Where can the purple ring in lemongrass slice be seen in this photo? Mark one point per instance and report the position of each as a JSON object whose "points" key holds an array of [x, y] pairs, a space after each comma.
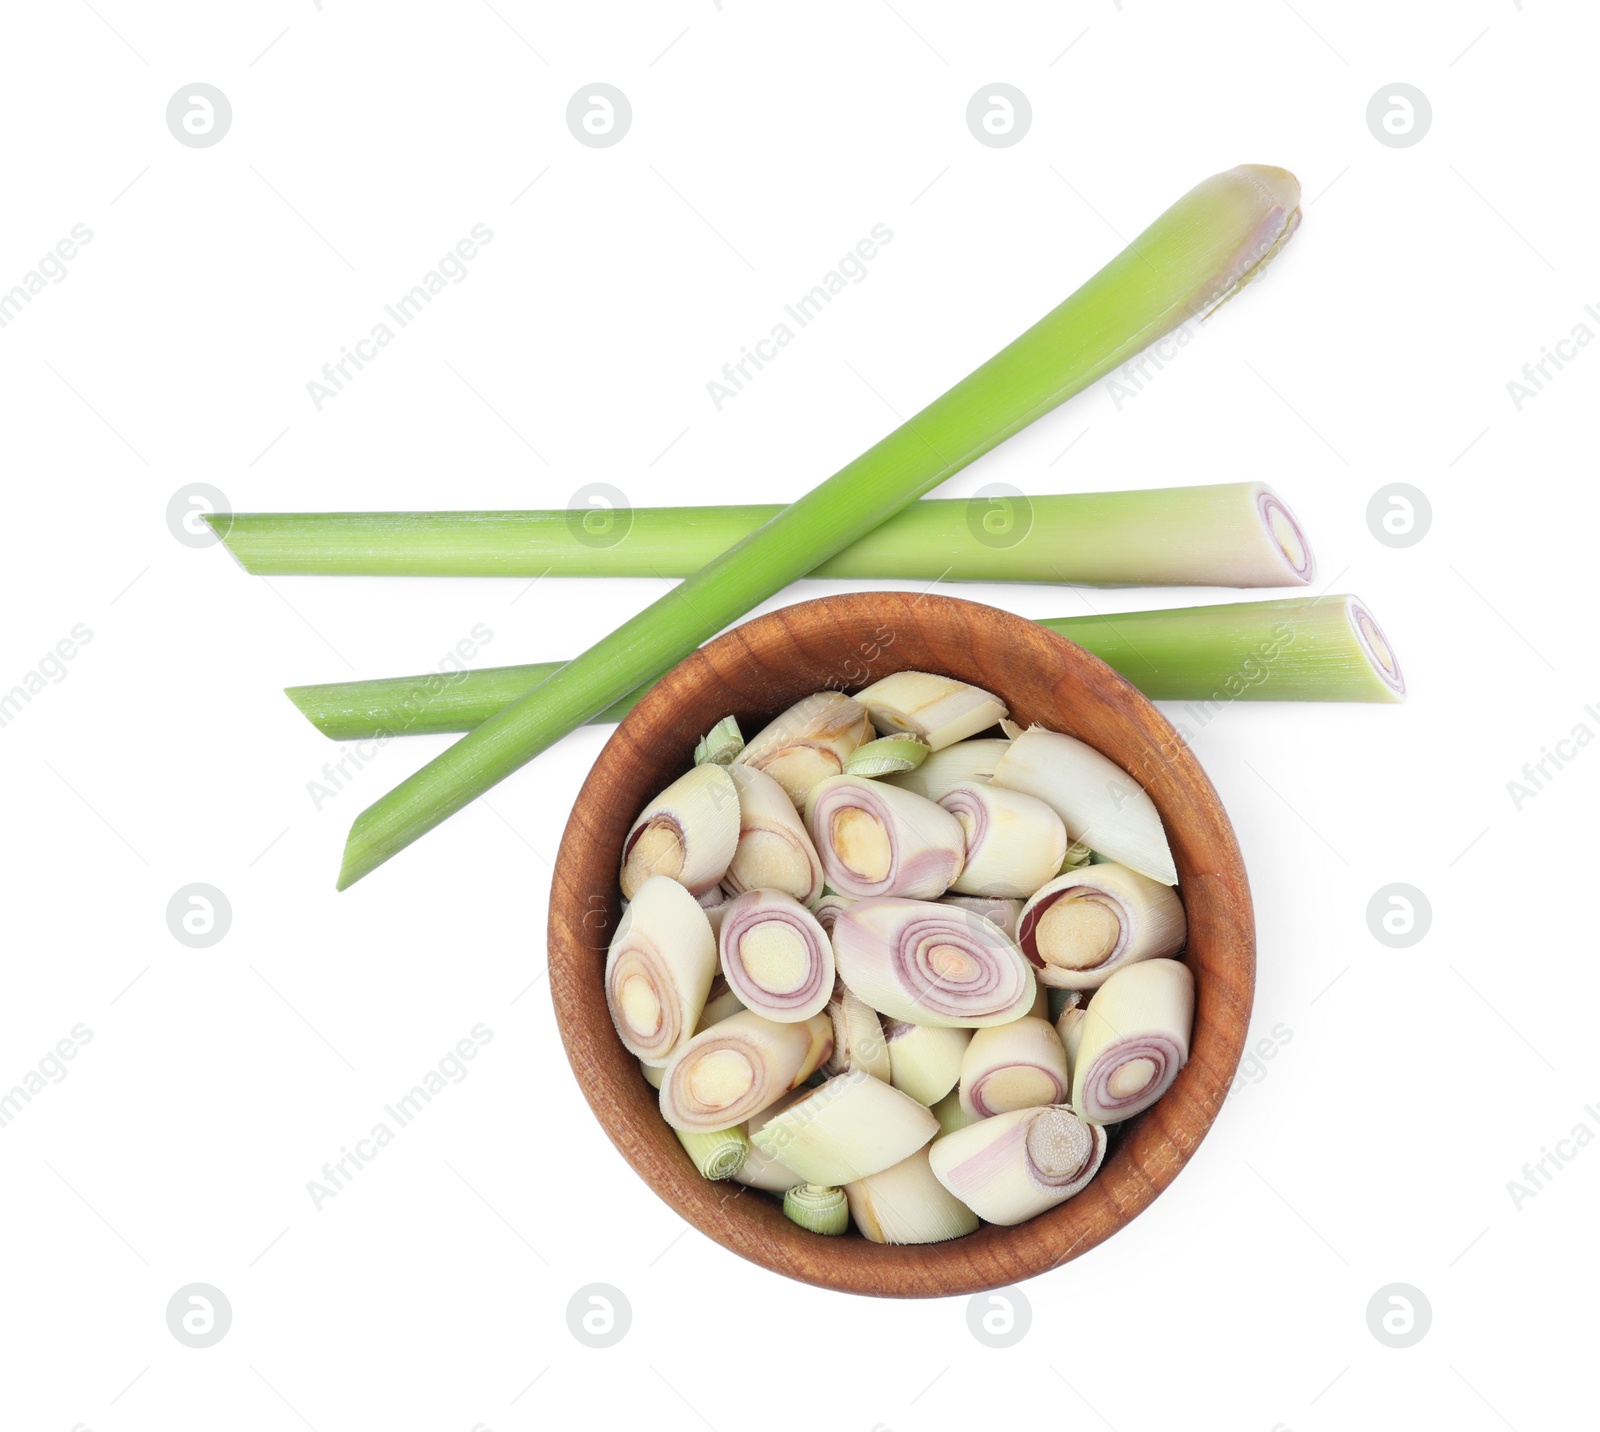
{"points": [[1020, 1065], [1081, 927], [1014, 842], [738, 1067], [808, 742], [775, 956], [1376, 645], [1286, 534], [1013, 1166], [689, 833], [931, 964], [659, 969], [1132, 1041], [875, 839], [774, 852]]}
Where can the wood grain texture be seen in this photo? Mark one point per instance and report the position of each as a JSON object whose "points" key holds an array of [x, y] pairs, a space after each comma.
{"points": [[846, 642]]}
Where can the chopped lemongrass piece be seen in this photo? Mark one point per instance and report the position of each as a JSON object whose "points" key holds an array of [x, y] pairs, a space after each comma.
{"points": [[1009, 1168], [858, 1037], [1133, 1040], [774, 852], [721, 1002], [905, 1203], [717, 1155], [1003, 913], [808, 742], [653, 1073], [951, 1115], [931, 964], [925, 1059], [1199, 252], [1235, 534], [939, 709], [775, 956], [1069, 1030], [817, 1209], [887, 756], [875, 839], [828, 907], [720, 744], [659, 969], [1014, 1066], [689, 832], [956, 765], [1078, 855], [1098, 801], [737, 1067], [1015, 842], [845, 1129], [759, 1170], [1082, 926]]}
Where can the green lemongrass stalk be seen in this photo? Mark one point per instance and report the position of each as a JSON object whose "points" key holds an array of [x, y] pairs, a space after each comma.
{"points": [[1236, 534], [715, 1155], [1296, 649], [1194, 257]]}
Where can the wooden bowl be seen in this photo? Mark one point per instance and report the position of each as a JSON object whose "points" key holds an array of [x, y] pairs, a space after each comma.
{"points": [[754, 672]]}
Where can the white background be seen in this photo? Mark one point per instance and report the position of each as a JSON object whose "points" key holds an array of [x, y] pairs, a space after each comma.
{"points": [[766, 140]]}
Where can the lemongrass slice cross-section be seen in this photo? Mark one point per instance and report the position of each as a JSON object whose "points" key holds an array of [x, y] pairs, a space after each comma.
{"points": [[659, 970], [858, 1038], [931, 964], [717, 1155], [925, 1059], [845, 1129], [944, 770], [1014, 842], [775, 956], [1004, 913], [1014, 1166], [1098, 801], [808, 742], [1013, 1066], [905, 1203], [939, 709], [1081, 927], [774, 851], [689, 833], [736, 1068], [876, 839], [1132, 1041], [817, 1209]]}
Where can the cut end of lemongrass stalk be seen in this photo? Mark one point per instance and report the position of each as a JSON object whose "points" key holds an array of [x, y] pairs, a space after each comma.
{"points": [[905, 1203], [1014, 1066], [1133, 1040], [808, 742], [1285, 533], [939, 709], [1011, 1167], [1081, 927], [774, 851], [887, 756], [1376, 647], [775, 956], [717, 1155], [931, 964], [876, 839], [843, 1130], [659, 969], [736, 1068], [1269, 200], [828, 907], [1078, 855], [720, 744], [688, 833], [817, 1209]]}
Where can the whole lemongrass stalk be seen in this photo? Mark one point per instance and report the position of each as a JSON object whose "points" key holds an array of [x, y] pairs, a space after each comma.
{"points": [[1298, 649], [1235, 534], [1194, 257]]}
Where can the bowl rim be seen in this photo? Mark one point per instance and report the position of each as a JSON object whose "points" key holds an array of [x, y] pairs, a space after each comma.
{"points": [[1147, 1152]]}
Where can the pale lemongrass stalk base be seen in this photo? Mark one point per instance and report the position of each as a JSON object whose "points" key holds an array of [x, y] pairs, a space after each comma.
{"points": [[906, 1204]]}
